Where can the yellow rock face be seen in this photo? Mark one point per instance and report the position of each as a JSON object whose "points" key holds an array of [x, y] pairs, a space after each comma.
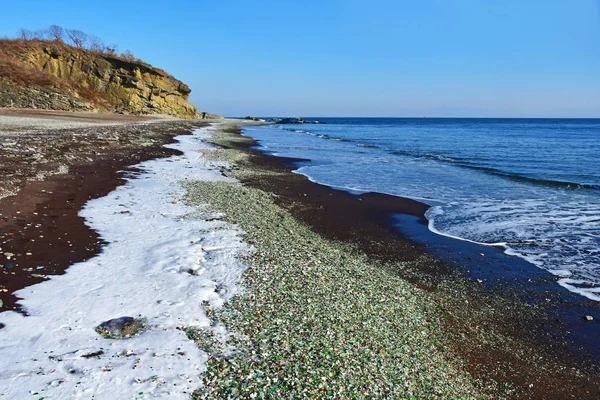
{"points": [[107, 82]]}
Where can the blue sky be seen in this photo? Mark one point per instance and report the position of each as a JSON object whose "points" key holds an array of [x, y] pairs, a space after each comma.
{"points": [[355, 58]]}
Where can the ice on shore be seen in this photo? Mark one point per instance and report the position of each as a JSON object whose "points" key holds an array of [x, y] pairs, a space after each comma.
{"points": [[161, 263]]}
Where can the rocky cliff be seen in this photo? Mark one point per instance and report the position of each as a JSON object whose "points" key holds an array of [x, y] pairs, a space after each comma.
{"points": [[53, 75]]}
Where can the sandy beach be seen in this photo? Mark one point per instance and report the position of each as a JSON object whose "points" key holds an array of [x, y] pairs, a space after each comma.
{"points": [[250, 280]]}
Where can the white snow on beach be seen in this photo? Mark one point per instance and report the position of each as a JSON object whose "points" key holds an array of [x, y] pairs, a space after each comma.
{"points": [[161, 262]]}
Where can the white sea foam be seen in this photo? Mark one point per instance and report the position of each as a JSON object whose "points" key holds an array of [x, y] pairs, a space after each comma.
{"points": [[438, 211], [584, 288], [161, 263], [563, 273]]}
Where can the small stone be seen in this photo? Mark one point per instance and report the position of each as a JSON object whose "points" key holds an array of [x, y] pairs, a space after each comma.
{"points": [[589, 318], [94, 354], [1, 304]]}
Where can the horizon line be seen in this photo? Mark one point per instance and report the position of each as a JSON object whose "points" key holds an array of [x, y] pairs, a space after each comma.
{"points": [[416, 117]]}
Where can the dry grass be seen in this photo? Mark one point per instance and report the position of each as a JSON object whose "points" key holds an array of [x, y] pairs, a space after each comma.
{"points": [[22, 74], [20, 46]]}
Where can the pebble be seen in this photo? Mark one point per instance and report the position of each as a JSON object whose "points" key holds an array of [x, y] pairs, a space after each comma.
{"points": [[589, 318]]}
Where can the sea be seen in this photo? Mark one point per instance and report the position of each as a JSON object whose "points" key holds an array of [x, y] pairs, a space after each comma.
{"points": [[531, 186]]}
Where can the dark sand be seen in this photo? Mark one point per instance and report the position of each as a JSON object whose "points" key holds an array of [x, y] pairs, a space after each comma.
{"points": [[509, 333]]}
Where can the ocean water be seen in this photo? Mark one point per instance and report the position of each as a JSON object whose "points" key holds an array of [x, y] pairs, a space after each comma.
{"points": [[531, 185]]}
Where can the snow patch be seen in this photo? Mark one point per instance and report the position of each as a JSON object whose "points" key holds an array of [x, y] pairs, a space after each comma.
{"points": [[161, 263]]}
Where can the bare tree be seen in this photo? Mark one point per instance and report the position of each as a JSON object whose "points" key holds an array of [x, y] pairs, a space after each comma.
{"points": [[57, 33], [96, 44], [40, 34], [77, 37], [128, 55], [25, 34]]}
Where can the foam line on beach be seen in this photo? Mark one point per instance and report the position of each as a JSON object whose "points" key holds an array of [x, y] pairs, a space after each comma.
{"points": [[161, 262], [430, 215], [584, 288]]}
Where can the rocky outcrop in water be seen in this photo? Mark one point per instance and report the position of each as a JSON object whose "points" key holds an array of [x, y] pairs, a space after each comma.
{"points": [[286, 120]]}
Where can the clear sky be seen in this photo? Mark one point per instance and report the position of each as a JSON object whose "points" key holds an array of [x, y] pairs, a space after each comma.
{"points": [[354, 58]]}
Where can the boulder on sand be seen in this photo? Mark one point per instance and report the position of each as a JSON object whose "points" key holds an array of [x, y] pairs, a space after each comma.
{"points": [[121, 328]]}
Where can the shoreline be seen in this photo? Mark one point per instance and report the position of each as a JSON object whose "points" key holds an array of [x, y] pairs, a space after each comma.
{"points": [[330, 285], [490, 265], [503, 315]]}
